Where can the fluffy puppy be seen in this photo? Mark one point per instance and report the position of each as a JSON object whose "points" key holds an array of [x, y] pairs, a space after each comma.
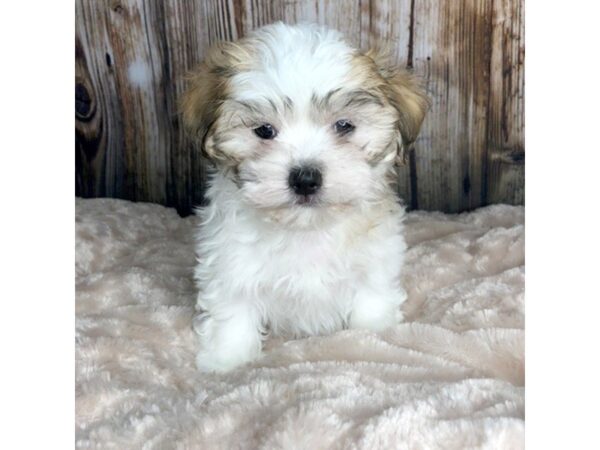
{"points": [[303, 231]]}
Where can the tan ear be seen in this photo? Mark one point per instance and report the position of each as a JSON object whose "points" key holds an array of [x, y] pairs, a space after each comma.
{"points": [[407, 95], [200, 103], [206, 92]]}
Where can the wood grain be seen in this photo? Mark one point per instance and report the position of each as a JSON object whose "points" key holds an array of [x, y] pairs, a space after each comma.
{"points": [[132, 57], [99, 131], [452, 51], [506, 118]]}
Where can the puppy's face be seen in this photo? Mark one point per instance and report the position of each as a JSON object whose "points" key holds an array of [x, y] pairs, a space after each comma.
{"points": [[305, 125]]}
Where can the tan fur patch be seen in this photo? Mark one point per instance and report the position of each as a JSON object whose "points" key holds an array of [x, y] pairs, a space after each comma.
{"points": [[208, 89], [406, 94]]}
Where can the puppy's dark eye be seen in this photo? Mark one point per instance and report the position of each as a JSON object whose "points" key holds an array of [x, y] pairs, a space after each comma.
{"points": [[265, 131], [343, 126]]}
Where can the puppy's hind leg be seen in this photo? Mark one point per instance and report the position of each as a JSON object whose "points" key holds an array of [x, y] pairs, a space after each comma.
{"points": [[229, 337]]}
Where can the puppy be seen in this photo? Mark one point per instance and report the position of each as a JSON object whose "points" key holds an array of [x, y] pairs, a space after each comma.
{"points": [[303, 231]]}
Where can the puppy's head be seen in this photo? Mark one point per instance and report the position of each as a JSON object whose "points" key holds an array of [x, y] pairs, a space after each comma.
{"points": [[303, 123]]}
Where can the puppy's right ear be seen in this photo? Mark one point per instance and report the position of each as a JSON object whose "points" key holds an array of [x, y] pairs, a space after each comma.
{"points": [[207, 90]]}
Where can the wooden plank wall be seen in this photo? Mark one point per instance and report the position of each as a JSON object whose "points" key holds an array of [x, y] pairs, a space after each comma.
{"points": [[132, 56]]}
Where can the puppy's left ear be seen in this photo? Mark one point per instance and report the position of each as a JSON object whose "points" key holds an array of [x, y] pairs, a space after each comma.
{"points": [[407, 95]]}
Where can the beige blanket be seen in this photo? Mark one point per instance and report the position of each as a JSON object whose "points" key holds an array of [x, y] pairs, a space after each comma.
{"points": [[452, 376]]}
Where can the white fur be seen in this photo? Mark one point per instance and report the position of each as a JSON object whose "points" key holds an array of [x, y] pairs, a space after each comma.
{"points": [[268, 264]]}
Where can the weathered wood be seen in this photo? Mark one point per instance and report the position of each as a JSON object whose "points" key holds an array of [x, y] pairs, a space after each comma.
{"points": [[132, 57], [505, 181], [452, 50], [182, 33], [98, 131]]}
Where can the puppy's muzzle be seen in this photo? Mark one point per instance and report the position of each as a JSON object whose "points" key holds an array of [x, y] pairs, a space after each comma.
{"points": [[305, 180]]}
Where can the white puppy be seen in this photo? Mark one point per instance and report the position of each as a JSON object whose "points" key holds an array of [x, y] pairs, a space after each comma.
{"points": [[303, 232]]}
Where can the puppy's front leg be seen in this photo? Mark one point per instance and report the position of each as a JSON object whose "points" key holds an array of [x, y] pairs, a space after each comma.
{"points": [[229, 337], [377, 309]]}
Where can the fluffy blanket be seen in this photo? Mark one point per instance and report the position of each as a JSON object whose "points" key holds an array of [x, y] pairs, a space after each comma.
{"points": [[451, 376]]}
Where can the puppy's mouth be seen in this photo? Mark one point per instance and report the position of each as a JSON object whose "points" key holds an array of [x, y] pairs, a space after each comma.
{"points": [[307, 200]]}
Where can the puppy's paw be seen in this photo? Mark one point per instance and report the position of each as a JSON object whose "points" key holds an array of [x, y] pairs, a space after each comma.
{"points": [[226, 344], [214, 361], [375, 320], [377, 312], [201, 322]]}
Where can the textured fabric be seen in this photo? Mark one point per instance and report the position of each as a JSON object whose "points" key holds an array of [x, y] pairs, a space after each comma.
{"points": [[451, 376]]}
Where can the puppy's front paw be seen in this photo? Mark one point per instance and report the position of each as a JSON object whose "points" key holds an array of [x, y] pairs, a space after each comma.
{"points": [[377, 312], [214, 361], [226, 344]]}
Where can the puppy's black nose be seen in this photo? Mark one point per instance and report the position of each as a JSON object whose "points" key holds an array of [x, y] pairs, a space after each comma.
{"points": [[305, 180]]}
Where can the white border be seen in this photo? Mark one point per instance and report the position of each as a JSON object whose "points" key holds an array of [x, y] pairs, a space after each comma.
{"points": [[562, 214], [37, 225], [562, 224]]}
